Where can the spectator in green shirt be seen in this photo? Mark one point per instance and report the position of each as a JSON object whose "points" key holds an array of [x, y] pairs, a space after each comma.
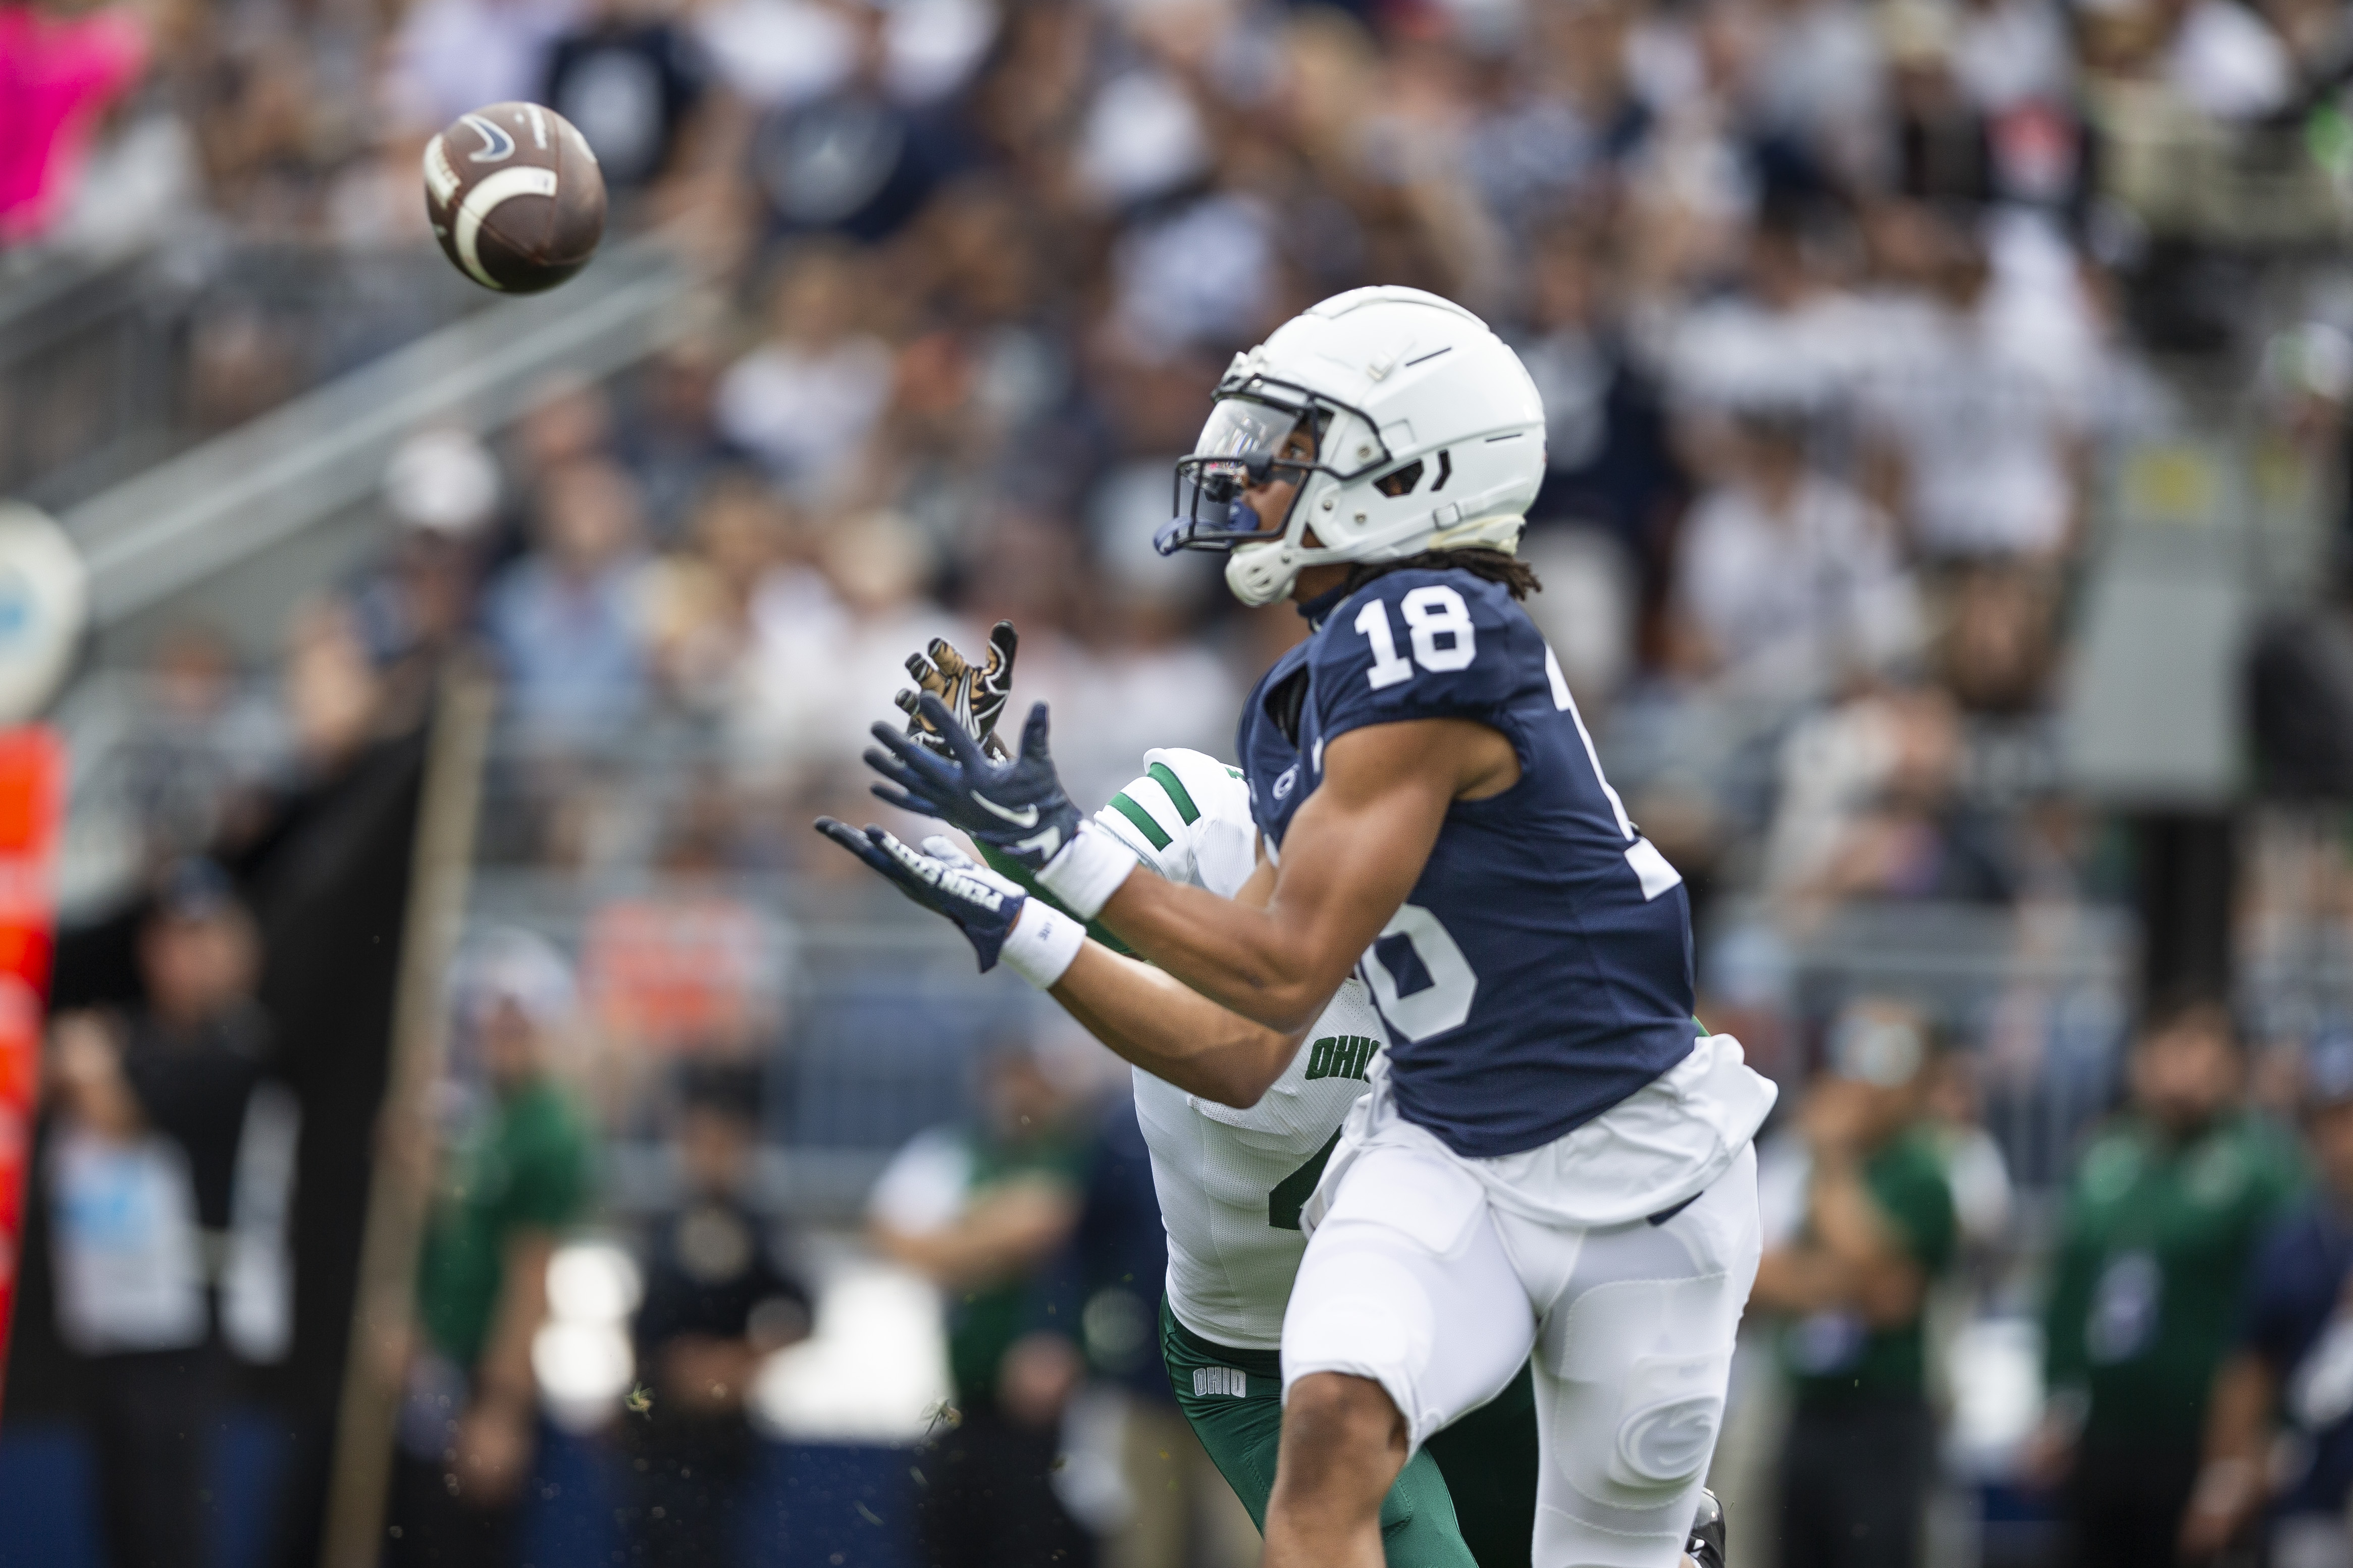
{"points": [[981, 1210], [509, 1183], [1878, 1227], [2162, 1218]]}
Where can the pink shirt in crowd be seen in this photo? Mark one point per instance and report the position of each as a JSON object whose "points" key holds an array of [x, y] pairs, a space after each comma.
{"points": [[56, 76]]}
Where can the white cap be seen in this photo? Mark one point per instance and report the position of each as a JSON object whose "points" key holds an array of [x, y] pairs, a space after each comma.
{"points": [[443, 481]]}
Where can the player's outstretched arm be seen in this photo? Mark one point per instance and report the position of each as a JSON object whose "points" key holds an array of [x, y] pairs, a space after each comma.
{"points": [[1156, 1022], [1353, 853], [1151, 1020]]}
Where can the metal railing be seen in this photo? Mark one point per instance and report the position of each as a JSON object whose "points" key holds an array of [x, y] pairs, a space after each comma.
{"points": [[109, 365], [301, 464]]}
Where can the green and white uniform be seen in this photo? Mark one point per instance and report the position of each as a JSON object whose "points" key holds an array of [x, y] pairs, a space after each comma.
{"points": [[1230, 1185], [1231, 1182]]}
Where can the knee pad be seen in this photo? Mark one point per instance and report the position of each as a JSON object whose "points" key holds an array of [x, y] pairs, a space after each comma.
{"points": [[1656, 1356], [1668, 1416]]}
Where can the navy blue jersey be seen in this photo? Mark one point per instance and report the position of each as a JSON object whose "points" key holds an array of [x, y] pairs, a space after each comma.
{"points": [[2296, 1318], [1540, 971]]}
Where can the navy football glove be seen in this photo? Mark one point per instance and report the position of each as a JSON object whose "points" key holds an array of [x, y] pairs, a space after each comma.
{"points": [[1018, 807], [975, 694], [944, 879]]}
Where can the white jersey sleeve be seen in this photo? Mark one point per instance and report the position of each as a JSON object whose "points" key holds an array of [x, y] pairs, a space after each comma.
{"points": [[1231, 1182], [1188, 818]]}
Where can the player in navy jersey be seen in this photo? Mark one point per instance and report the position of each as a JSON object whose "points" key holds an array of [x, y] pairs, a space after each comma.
{"points": [[1547, 880], [1552, 1157]]}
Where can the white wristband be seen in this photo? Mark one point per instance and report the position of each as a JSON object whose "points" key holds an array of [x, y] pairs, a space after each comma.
{"points": [[1043, 943], [1088, 870]]}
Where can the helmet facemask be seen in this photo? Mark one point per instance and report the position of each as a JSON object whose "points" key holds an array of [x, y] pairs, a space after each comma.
{"points": [[1242, 447]]}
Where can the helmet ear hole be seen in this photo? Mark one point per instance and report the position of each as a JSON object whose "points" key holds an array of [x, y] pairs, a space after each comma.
{"points": [[1445, 470], [1401, 481]]}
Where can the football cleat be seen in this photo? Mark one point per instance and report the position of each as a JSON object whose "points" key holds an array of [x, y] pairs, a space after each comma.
{"points": [[1706, 1547]]}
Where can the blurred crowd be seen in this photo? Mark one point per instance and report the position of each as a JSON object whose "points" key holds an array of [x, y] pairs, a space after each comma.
{"points": [[1840, 311]]}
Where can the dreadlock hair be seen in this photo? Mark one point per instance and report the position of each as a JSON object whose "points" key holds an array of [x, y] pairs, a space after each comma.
{"points": [[1478, 560]]}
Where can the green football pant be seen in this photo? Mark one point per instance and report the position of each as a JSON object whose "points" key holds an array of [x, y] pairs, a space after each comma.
{"points": [[1487, 1462]]}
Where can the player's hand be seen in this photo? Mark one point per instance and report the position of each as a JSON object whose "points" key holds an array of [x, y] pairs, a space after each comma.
{"points": [[975, 694], [1017, 807], [943, 879]]}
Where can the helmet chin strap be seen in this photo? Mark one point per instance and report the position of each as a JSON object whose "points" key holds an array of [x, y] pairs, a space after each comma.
{"points": [[1258, 575]]}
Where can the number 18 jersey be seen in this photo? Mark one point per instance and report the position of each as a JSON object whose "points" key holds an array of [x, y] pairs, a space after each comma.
{"points": [[1540, 971]]}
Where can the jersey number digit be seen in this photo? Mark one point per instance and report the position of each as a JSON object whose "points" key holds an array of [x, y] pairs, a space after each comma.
{"points": [[1439, 610], [1387, 670], [1417, 972], [1431, 613], [1290, 1195]]}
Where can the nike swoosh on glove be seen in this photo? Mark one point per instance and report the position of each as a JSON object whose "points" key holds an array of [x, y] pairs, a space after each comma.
{"points": [[1017, 807], [975, 694], [942, 878]]}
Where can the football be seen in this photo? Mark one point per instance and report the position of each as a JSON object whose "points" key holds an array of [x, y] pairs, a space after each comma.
{"points": [[515, 196]]}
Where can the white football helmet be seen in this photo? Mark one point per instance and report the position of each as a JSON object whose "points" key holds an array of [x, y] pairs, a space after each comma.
{"points": [[1429, 436]]}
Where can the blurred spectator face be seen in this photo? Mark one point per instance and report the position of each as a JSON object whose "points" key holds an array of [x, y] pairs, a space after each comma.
{"points": [[1020, 1098], [876, 562], [1778, 274], [1929, 744], [679, 389], [1906, 242], [198, 955], [513, 1042], [569, 420], [515, 998], [1962, 269], [985, 253], [2327, 1089], [735, 530], [1873, 1083], [1566, 286], [1999, 643], [1952, 1096], [435, 574], [816, 303], [2329, 1130], [1769, 455], [589, 517], [2185, 1068], [194, 672], [714, 1150]]}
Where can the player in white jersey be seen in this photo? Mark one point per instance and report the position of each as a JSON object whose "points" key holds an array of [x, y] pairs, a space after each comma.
{"points": [[1231, 1182]]}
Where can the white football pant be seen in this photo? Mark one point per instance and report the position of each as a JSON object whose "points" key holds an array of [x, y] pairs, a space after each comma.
{"points": [[1415, 1279]]}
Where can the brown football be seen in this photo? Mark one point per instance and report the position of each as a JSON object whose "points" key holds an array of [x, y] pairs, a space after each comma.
{"points": [[515, 196]]}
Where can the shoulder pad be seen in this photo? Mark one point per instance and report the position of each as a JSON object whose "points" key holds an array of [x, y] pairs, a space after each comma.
{"points": [[1187, 816]]}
